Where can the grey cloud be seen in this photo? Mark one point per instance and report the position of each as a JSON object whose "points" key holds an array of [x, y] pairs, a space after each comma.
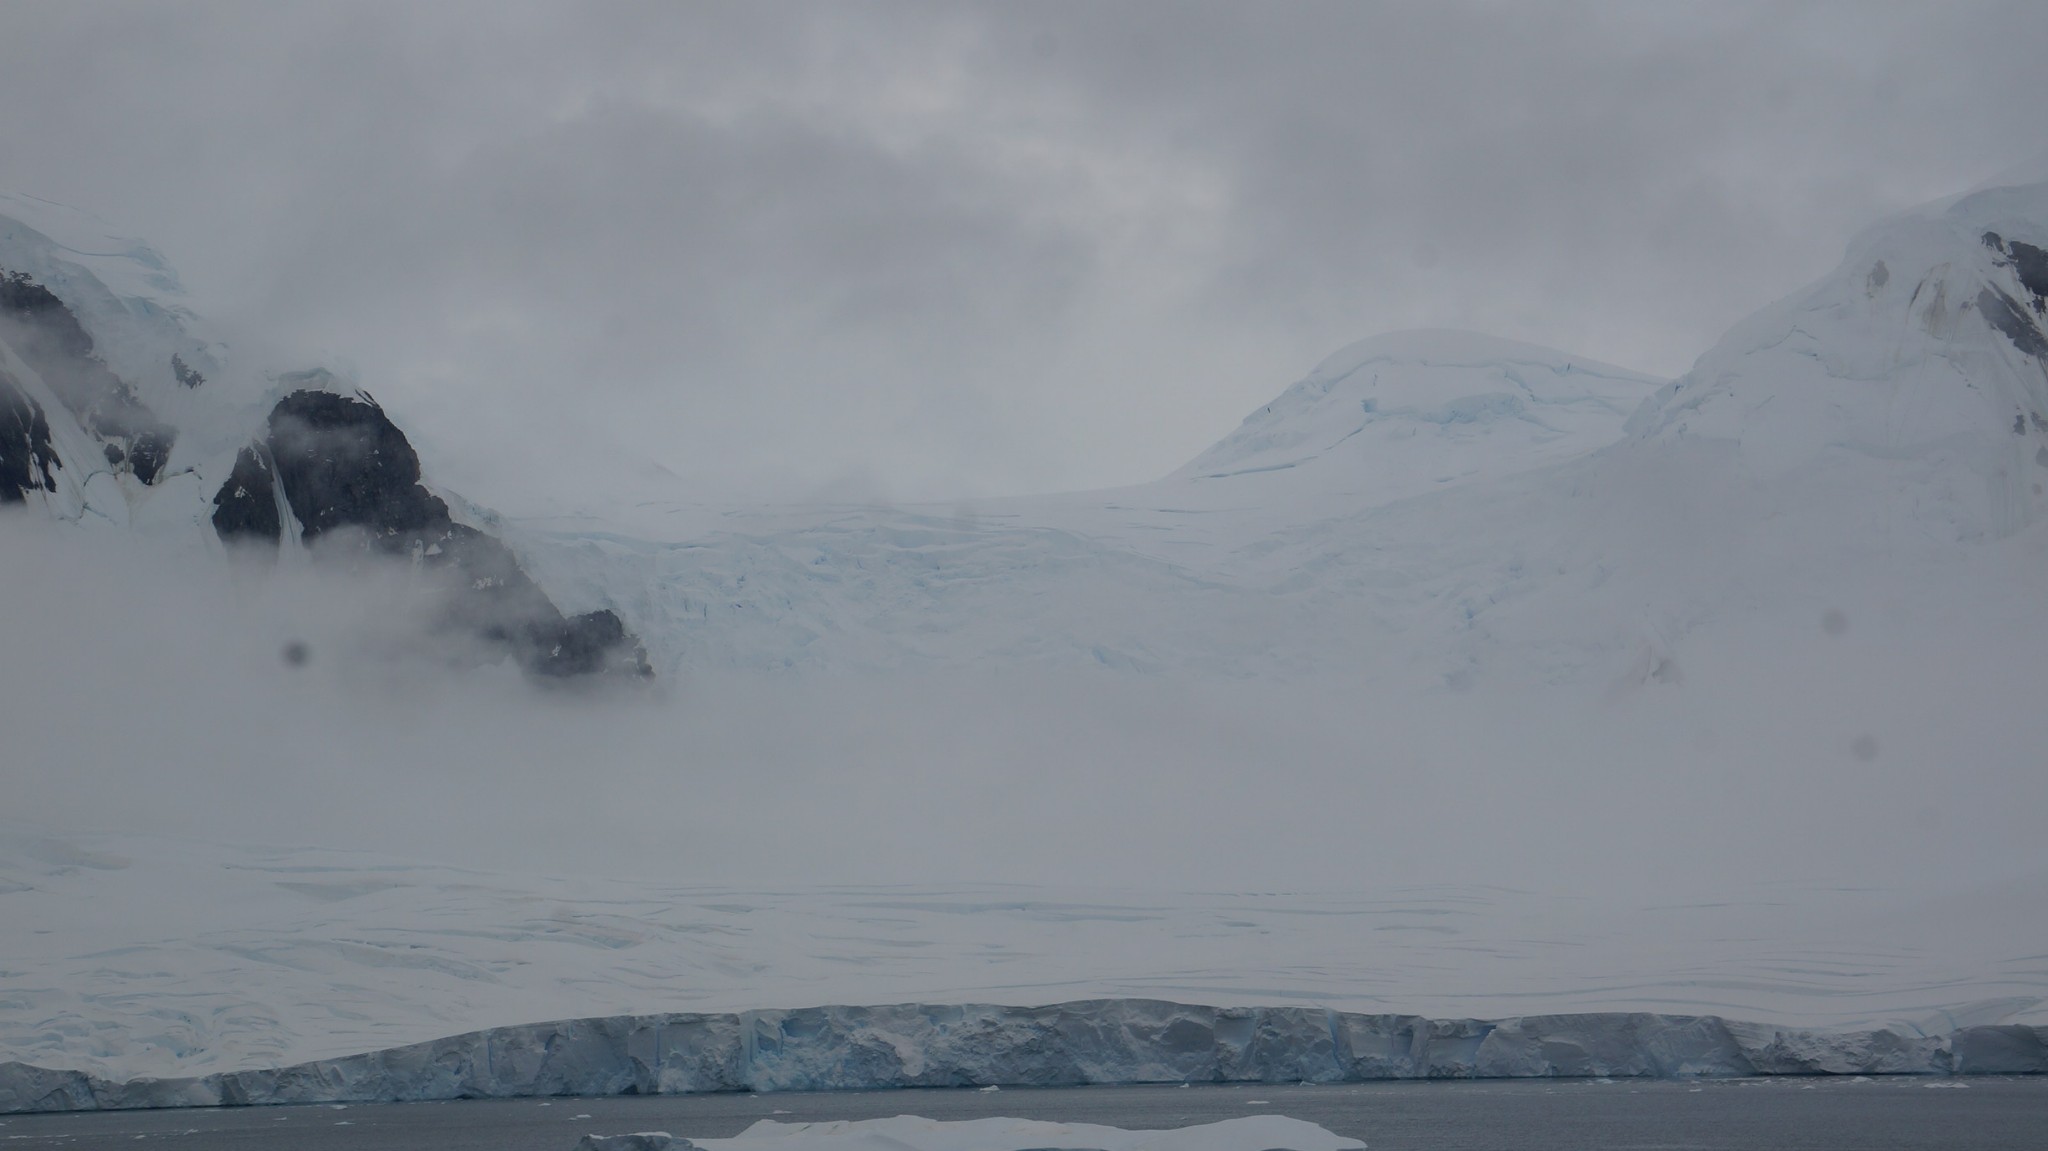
{"points": [[912, 249], [1635, 178]]}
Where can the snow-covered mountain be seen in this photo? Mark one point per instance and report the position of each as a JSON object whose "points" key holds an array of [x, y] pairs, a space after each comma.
{"points": [[114, 412], [1925, 353], [1401, 414], [1448, 502], [1450, 608], [1236, 564]]}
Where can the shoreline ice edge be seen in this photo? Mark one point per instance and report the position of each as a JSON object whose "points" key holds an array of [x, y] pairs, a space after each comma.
{"points": [[1087, 1042]]}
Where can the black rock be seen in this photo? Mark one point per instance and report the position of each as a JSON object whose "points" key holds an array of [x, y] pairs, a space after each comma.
{"points": [[49, 338], [594, 643], [2029, 262], [2032, 265], [352, 481], [245, 508], [35, 306], [28, 462], [343, 463], [2006, 314]]}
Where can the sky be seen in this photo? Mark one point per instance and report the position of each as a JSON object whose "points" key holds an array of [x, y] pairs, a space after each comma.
{"points": [[906, 251]]}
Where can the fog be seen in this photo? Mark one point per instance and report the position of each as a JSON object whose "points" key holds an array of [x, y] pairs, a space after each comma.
{"points": [[150, 691], [832, 296], [904, 250]]}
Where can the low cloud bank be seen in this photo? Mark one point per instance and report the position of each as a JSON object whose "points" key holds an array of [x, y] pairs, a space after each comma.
{"points": [[155, 685]]}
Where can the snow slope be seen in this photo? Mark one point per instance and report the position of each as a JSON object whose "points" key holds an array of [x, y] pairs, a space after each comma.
{"points": [[1406, 499], [1452, 504], [1782, 621], [131, 956], [1924, 353], [1198, 572], [1400, 414], [132, 304]]}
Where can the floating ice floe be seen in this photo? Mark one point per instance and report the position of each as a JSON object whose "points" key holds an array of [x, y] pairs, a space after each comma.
{"points": [[913, 1133]]}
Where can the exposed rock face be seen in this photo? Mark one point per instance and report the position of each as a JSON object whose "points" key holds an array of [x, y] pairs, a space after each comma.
{"points": [[351, 480], [2030, 262], [330, 468], [1094, 1041], [28, 462], [245, 508], [49, 338], [2009, 315], [343, 463]]}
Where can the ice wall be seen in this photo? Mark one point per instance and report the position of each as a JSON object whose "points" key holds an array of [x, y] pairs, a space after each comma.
{"points": [[1088, 1042]]}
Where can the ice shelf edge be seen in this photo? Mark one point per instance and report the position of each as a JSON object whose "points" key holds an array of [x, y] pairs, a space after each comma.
{"points": [[1105, 1041]]}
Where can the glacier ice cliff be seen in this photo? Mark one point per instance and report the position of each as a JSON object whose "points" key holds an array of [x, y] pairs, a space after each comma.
{"points": [[1109, 1041]]}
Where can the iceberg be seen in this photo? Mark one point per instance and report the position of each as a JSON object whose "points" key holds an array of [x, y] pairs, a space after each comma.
{"points": [[914, 1133]]}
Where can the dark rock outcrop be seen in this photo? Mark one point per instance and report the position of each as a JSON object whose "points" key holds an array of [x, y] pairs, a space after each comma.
{"points": [[344, 464], [28, 462], [2028, 261], [2005, 313], [49, 338], [245, 508], [352, 482], [2009, 315]]}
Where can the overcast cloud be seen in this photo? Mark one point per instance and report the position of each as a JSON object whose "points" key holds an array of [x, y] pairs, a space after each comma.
{"points": [[922, 251]]}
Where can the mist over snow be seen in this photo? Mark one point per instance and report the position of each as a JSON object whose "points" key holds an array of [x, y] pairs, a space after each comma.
{"points": [[582, 511], [1451, 608], [159, 698], [241, 861]]}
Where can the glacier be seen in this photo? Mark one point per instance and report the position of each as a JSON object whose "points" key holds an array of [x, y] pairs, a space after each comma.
{"points": [[1510, 614], [1456, 505], [1433, 506], [1122, 1041]]}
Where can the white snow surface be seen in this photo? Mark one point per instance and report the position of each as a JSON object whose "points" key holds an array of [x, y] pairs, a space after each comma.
{"points": [[136, 956], [1785, 618], [1246, 562], [1888, 372], [1437, 506], [1404, 413], [1445, 504]]}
